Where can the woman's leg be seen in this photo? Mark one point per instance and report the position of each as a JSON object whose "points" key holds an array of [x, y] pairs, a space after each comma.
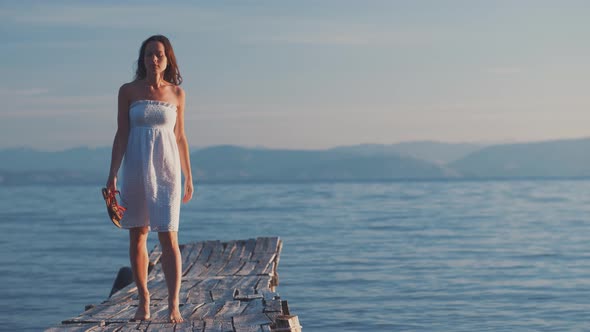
{"points": [[139, 265], [172, 266]]}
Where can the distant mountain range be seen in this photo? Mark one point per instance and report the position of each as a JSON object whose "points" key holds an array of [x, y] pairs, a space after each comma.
{"points": [[434, 152], [562, 158], [237, 163], [402, 161]]}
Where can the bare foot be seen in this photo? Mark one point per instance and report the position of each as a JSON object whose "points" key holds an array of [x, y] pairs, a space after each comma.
{"points": [[143, 311], [175, 316]]}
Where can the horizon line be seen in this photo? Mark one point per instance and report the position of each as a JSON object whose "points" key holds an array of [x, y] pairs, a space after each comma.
{"points": [[480, 143]]}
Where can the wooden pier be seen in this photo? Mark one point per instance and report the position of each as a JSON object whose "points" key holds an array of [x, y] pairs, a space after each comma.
{"points": [[226, 286]]}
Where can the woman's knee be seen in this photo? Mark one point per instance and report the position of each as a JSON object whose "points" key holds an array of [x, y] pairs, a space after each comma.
{"points": [[138, 234], [168, 241]]}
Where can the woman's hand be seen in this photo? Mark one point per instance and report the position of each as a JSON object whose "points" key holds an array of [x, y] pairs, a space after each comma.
{"points": [[112, 183], [188, 191]]}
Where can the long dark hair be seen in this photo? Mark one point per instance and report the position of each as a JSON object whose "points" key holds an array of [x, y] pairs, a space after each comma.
{"points": [[171, 73]]}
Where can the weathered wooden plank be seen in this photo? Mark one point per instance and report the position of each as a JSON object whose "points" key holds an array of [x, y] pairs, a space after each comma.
{"points": [[191, 288], [213, 248], [196, 296], [155, 254], [188, 260], [200, 265], [186, 326], [246, 294], [215, 325], [88, 313], [255, 319], [143, 325], [238, 248], [126, 294], [219, 261], [248, 328], [264, 263], [201, 292], [93, 327], [272, 305], [247, 286], [288, 323], [239, 258], [273, 315], [185, 251], [156, 326], [263, 284], [254, 307], [247, 268], [248, 249], [117, 327], [266, 244], [184, 291], [246, 298], [73, 328], [198, 325], [224, 255], [259, 244], [99, 313], [210, 265], [187, 309], [130, 327], [207, 310], [230, 309], [222, 294], [158, 289], [125, 314], [226, 286], [268, 294], [159, 313], [278, 257]]}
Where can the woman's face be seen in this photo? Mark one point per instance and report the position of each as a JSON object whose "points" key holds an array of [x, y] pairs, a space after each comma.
{"points": [[155, 57]]}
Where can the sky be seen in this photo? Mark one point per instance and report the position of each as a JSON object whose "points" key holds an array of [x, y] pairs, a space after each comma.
{"points": [[305, 74]]}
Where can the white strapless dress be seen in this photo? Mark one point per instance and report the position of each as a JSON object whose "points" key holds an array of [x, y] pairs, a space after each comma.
{"points": [[151, 176]]}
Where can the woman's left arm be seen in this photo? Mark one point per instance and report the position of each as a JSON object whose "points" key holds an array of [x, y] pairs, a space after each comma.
{"points": [[185, 160]]}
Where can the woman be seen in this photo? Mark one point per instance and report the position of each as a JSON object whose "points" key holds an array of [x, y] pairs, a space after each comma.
{"points": [[150, 135]]}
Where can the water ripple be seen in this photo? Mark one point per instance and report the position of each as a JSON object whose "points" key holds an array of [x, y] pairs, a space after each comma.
{"points": [[399, 256]]}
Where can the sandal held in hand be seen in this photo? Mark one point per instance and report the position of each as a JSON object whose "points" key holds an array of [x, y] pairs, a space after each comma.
{"points": [[113, 208]]}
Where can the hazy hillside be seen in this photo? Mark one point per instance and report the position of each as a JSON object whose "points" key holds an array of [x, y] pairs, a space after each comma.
{"points": [[563, 158], [222, 163], [230, 162], [435, 152], [77, 159]]}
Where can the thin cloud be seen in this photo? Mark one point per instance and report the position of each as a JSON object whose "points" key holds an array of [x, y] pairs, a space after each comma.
{"points": [[73, 100], [503, 70], [248, 29], [50, 44], [49, 113], [337, 33], [39, 104], [118, 16], [235, 111], [23, 92]]}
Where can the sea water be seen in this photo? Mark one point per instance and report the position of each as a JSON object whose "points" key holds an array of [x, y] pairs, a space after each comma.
{"points": [[366, 256]]}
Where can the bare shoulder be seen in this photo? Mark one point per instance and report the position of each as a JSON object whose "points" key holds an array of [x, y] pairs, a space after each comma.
{"points": [[126, 89], [180, 94], [126, 93]]}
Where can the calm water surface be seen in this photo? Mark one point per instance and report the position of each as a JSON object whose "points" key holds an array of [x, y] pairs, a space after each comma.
{"points": [[400, 256]]}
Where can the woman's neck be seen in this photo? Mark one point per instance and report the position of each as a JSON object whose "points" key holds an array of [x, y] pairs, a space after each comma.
{"points": [[155, 80]]}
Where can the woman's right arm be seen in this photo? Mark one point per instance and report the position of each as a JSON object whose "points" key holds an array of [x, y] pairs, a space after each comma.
{"points": [[121, 137]]}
